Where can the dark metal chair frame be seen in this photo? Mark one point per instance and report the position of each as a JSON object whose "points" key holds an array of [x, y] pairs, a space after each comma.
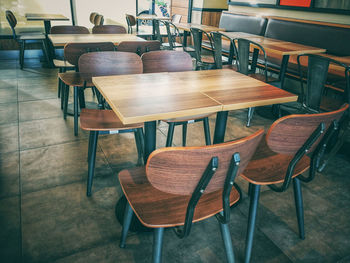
{"points": [[197, 35], [217, 45]]}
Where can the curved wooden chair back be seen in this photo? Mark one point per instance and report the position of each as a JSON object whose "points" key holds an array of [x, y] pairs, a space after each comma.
{"points": [[176, 18], [288, 134], [177, 170], [316, 80], [139, 47], [69, 30], [243, 55], [131, 21], [108, 29], [73, 51], [92, 17], [110, 63], [98, 21], [166, 61], [11, 19]]}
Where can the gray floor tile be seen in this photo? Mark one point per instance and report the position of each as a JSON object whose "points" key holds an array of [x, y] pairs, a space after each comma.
{"points": [[37, 92], [10, 237], [8, 113], [8, 74], [41, 109], [8, 138], [60, 221], [8, 95], [46, 132], [8, 84], [59, 165], [9, 174]]}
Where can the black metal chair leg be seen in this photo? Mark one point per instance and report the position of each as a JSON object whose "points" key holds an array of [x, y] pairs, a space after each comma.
{"points": [[226, 237], [157, 244], [81, 98], [184, 134], [59, 86], [92, 161], [126, 224], [138, 146], [250, 116], [89, 147], [299, 206], [250, 186], [169, 139], [254, 200], [206, 131], [65, 100], [21, 53], [46, 52], [76, 90]]}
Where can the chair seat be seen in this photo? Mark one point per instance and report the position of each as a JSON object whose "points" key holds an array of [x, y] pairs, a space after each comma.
{"points": [[103, 120], [155, 208], [267, 167], [31, 36], [190, 118], [62, 64], [76, 79], [207, 59]]}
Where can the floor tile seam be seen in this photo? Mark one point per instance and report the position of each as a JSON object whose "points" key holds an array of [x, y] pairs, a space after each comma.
{"points": [[47, 118], [55, 144], [10, 196], [37, 99], [166, 136]]}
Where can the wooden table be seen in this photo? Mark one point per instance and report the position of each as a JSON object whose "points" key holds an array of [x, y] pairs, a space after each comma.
{"points": [[151, 17], [283, 48], [151, 97], [47, 18], [59, 40]]}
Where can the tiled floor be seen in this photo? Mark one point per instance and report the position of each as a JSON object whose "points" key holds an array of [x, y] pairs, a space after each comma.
{"points": [[45, 215]]}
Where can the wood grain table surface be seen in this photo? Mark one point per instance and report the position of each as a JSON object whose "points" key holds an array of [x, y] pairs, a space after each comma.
{"points": [[62, 39], [187, 27], [156, 96], [35, 16], [276, 46]]}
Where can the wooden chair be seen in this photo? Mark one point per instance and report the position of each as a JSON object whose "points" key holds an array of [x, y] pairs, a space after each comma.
{"points": [[62, 64], [139, 47], [159, 34], [72, 53], [202, 61], [92, 17], [108, 29], [294, 144], [174, 61], [183, 185], [106, 121], [98, 20], [23, 38], [313, 99], [247, 63]]}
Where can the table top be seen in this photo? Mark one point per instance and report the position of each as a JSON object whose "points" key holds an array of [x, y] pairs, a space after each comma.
{"points": [[187, 27], [47, 17], [62, 39], [152, 17], [157, 96], [276, 46]]}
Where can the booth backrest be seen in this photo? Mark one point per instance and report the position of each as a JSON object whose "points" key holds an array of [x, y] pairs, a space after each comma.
{"points": [[234, 22], [334, 39]]}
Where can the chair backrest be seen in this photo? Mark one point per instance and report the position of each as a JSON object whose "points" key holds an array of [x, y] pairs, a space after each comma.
{"points": [[139, 47], [12, 22], [69, 30], [131, 21], [173, 33], [166, 61], [217, 47], [108, 63], [197, 35], [176, 18], [316, 79], [98, 21], [108, 29], [288, 134], [177, 170], [92, 17], [156, 25], [244, 58], [73, 51]]}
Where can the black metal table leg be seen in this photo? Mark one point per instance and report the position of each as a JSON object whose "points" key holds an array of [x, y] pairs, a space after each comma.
{"points": [[184, 41], [220, 127], [51, 50]]}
